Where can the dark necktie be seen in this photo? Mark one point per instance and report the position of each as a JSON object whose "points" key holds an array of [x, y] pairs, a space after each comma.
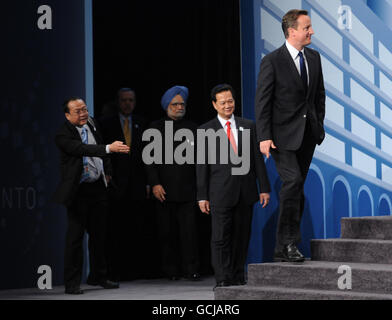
{"points": [[304, 74]]}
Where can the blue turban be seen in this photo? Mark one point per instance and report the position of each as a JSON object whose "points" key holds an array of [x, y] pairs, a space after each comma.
{"points": [[171, 93]]}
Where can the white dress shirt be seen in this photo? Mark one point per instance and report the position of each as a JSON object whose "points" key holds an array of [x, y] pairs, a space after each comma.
{"points": [[233, 126], [122, 120], [294, 55]]}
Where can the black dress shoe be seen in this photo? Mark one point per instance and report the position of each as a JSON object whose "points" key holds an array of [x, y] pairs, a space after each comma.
{"points": [[239, 282], [74, 290], [223, 283], [194, 277], [106, 284], [290, 253]]}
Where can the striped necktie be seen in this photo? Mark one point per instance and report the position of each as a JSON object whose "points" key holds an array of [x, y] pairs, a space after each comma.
{"points": [[85, 173]]}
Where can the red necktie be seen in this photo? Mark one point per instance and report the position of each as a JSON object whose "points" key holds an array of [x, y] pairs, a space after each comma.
{"points": [[231, 136]]}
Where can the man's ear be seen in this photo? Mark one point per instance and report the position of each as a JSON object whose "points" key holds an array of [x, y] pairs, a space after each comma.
{"points": [[214, 105], [67, 115], [290, 31]]}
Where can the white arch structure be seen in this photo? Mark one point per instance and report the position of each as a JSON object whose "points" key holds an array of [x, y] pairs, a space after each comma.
{"points": [[385, 197], [343, 180], [317, 170]]}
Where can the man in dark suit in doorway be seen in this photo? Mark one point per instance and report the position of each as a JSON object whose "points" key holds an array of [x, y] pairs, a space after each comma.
{"points": [[174, 187], [85, 174], [129, 220], [290, 109], [230, 197]]}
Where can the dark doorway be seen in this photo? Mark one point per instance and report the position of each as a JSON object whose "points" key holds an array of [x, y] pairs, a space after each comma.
{"points": [[340, 208], [152, 45]]}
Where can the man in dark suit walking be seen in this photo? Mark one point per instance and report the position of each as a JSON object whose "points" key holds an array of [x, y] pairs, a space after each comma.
{"points": [[129, 219], [290, 109], [174, 187], [230, 197], [85, 174]]}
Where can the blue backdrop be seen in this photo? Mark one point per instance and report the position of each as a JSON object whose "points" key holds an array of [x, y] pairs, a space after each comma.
{"points": [[351, 174], [39, 68]]}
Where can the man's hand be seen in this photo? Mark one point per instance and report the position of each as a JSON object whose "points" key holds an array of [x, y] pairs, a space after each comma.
{"points": [[264, 199], [159, 192], [265, 147], [118, 146], [108, 178], [204, 206]]}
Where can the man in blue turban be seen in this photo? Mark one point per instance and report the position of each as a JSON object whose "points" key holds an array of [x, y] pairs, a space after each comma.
{"points": [[173, 92], [174, 188]]}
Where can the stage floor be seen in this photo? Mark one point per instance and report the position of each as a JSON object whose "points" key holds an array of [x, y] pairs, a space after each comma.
{"points": [[155, 289]]}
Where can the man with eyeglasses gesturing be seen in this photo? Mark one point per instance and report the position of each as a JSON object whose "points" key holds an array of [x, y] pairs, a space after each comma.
{"points": [[85, 174]]}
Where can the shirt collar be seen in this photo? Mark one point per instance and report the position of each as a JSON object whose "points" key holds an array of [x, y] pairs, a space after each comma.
{"points": [[293, 51], [122, 117], [81, 128], [223, 121]]}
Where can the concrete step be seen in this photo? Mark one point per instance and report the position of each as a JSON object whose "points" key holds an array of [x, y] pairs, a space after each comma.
{"points": [[321, 275], [352, 250], [278, 293], [367, 228]]}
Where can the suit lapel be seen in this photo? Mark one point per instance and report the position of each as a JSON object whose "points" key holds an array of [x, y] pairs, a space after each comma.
{"points": [[239, 125], [291, 65], [119, 131], [311, 69], [216, 125], [73, 130], [135, 127], [94, 132]]}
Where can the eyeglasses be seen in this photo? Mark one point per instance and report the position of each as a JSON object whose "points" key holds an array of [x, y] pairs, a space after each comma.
{"points": [[178, 104], [81, 110]]}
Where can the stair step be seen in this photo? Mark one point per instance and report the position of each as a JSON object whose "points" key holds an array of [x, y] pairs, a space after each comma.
{"points": [[365, 246], [278, 293], [321, 275], [367, 228], [352, 250]]}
